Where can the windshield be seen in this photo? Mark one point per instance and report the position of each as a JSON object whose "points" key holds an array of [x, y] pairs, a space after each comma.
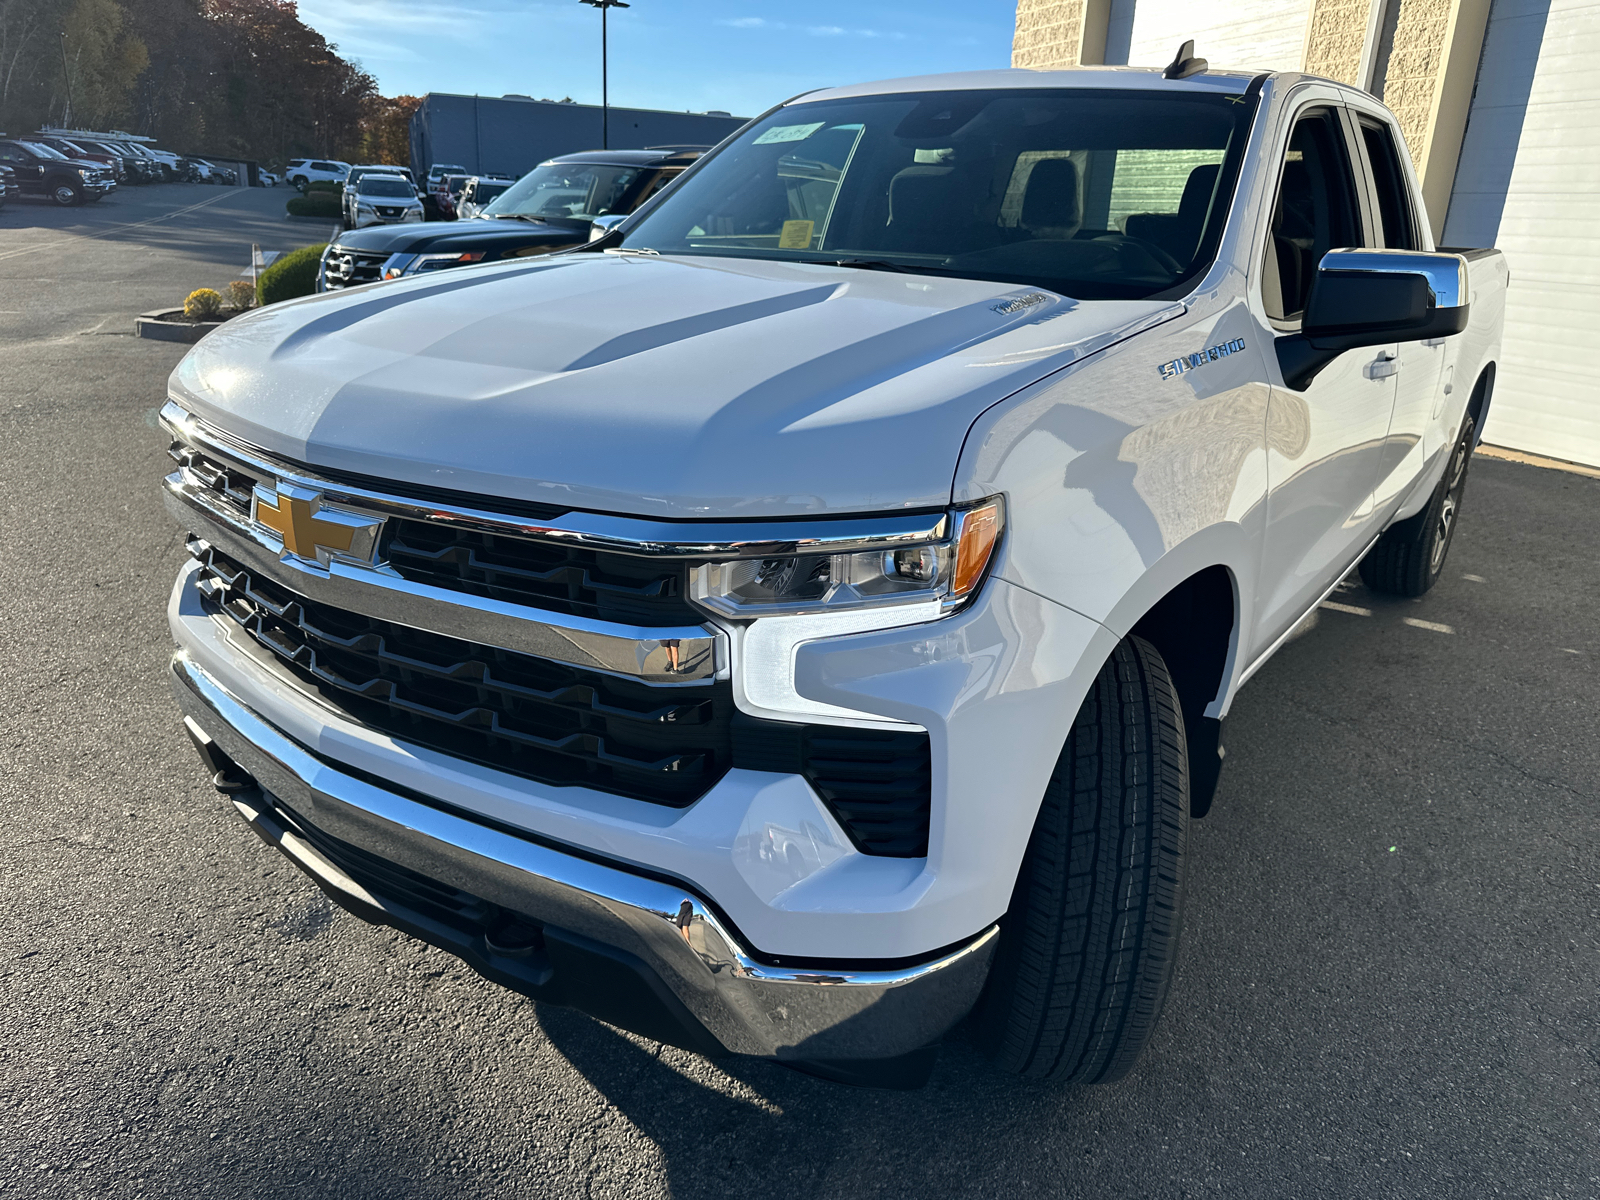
{"points": [[43, 151], [377, 185], [566, 191], [1097, 194]]}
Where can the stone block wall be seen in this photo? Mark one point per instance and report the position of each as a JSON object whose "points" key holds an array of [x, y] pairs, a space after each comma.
{"points": [[1335, 37], [1049, 33]]}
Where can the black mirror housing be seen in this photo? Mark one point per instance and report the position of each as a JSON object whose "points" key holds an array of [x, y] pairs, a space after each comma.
{"points": [[1372, 297]]}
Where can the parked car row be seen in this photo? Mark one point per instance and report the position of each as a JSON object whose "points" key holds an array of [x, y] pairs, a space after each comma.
{"points": [[553, 207], [119, 158], [46, 173]]}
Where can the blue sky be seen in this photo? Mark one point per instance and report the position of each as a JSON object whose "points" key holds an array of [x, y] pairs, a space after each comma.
{"points": [[672, 54]]}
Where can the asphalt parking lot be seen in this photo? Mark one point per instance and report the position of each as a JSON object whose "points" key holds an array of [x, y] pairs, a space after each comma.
{"points": [[1389, 984]]}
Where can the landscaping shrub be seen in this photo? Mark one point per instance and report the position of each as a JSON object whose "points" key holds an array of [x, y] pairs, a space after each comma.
{"points": [[325, 185], [295, 274], [315, 204], [202, 304], [241, 294]]}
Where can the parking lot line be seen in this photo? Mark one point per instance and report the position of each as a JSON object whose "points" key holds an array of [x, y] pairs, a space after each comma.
{"points": [[1431, 626], [107, 232]]}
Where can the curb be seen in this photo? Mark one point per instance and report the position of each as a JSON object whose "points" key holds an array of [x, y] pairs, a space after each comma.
{"points": [[1536, 460], [158, 326]]}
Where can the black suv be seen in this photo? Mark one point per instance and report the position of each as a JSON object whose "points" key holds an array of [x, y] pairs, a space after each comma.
{"points": [[51, 175], [550, 208]]}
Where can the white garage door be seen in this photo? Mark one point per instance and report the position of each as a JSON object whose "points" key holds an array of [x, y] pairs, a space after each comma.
{"points": [[1529, 182], [1252, 35]]}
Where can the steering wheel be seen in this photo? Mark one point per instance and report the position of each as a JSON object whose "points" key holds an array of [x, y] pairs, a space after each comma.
{"points": [[1159, 256]]}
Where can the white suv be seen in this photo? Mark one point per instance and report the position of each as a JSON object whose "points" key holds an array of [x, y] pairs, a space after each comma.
{"points": [[302, 171]]}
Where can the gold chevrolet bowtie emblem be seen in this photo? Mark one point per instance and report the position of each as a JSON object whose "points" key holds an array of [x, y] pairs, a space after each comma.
{"points": [[309, 530]]}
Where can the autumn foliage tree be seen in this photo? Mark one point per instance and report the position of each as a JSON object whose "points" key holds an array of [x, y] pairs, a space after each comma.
{"points": [[241, 78]]}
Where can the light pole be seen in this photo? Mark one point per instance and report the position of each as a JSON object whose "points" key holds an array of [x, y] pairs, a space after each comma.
{"points": [[605, 92]]}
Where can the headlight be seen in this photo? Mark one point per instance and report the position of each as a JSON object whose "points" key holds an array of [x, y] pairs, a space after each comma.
{"points": [[397, 265], [84, 172], [948, 571]]}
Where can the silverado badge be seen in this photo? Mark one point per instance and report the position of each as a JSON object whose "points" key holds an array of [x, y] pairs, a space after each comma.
{"points": [[311, 531], [1171, 370]]}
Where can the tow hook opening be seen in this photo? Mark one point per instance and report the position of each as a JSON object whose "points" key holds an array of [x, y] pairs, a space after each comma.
{"points": [[513, 936], [227, 776]]}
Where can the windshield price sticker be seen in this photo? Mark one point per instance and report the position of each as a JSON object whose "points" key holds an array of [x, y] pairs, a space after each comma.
{"points": [[796, 235], [787, 133]]}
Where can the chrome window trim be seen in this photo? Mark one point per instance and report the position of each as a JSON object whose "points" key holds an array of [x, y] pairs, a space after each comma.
{"points": [[663, 656], [647, 538]]}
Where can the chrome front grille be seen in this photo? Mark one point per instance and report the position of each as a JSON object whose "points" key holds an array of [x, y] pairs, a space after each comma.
{"points": [[343, 268], [555, 578], [528, 716], [526, 639]]}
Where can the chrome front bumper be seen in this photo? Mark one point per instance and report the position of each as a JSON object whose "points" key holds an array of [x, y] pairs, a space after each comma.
{"points": [[664, 939]]}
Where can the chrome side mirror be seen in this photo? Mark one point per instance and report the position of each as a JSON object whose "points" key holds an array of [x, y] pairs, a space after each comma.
{"points": [[604, 225], [1370, 297]]}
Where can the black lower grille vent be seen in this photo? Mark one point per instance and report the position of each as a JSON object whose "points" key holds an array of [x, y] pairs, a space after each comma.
{"points": [[878, 783]]}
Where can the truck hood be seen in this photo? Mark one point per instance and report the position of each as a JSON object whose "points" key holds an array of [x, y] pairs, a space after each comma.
{"points": [[652, 386], [473, 234]]}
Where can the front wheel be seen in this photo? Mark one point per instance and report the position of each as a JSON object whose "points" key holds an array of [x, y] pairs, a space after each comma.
{"points": [[66, 193], [1409, 557], [1087, 947]]}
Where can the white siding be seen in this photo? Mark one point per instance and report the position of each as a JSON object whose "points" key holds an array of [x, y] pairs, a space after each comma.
{"points": [[1529, 182], [1257, 35]]}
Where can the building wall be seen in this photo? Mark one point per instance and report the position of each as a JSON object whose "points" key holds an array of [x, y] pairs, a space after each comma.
{"points": [[1529, 182], [490, 135]]}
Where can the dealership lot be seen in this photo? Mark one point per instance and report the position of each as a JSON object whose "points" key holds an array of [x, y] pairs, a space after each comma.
{"points": [[1387, 986]]}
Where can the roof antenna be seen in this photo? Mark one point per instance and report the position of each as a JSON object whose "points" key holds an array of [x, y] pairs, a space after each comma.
{"points": [[1185, 64]]}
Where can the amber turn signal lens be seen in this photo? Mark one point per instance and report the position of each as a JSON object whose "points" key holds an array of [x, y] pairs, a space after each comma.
{"points": [[976, 538]]}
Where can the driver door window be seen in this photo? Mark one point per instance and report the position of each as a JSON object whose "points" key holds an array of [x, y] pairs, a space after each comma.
{"points": [[1315, 212]]}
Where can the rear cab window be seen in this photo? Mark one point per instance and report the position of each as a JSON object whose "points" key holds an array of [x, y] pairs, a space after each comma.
{"points": [[1316, 210], [1395, 217]]}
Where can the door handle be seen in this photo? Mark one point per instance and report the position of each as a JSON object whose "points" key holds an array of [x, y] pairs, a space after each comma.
{"points": [[1382, 367]]}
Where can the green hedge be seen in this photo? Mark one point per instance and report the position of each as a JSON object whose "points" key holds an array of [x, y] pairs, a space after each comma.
{"points": [[324, 185], [295, 274], [316, 204]]}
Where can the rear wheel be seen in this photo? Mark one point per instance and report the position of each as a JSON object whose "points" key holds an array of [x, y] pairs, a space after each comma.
{"points": [[1409, 557], [1087, 948]]}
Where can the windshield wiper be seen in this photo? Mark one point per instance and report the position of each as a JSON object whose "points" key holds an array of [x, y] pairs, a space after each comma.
{"points": [[520, 217], [867, 264], [878, 264], [633, 250]]}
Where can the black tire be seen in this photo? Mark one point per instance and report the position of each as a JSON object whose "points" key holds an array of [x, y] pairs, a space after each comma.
{"points": [[1410, 555], [299, 182], [1087, 948], [65, 192]]}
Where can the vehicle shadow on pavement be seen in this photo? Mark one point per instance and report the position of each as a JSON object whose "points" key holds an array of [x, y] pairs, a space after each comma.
{"points": [[716, 1121]]}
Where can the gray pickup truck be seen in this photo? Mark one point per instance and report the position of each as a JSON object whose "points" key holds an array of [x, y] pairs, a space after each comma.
{"points": [[804, 617]]}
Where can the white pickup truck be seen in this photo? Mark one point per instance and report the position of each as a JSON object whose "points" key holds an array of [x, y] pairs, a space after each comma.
{"points": [[804, 617]]}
